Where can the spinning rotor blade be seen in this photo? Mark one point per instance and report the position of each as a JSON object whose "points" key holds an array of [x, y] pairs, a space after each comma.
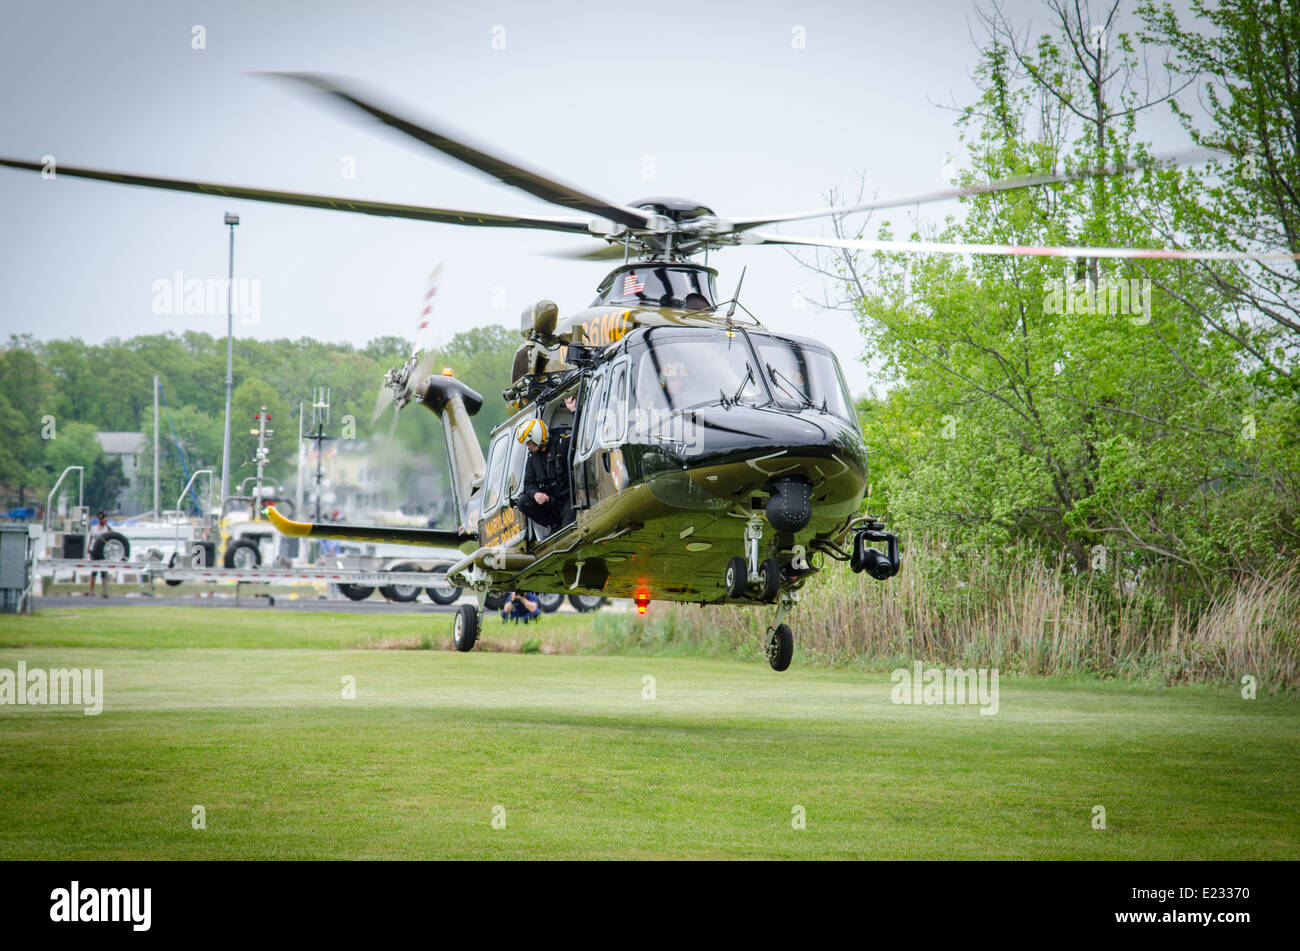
{"points": [[498, 167], [1018, 250], [357, 205], [418, 366], [1189, 157], [383, 400], [600, 252]]}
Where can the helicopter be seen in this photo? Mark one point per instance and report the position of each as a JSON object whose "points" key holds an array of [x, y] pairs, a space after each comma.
{"points": [[705, 459]]}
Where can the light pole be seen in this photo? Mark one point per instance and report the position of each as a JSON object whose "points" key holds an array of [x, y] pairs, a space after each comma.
{"points": [[231, 220]]}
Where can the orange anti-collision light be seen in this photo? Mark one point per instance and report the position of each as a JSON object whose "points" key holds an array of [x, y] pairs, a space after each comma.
{"points": [[446, 371]]}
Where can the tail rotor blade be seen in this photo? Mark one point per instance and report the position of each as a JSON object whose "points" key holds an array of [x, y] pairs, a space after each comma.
{"points": [[383, 399]]}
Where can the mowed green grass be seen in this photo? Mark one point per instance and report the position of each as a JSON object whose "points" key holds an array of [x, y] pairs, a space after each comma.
{"points": [[580, 763], [255, 628]]}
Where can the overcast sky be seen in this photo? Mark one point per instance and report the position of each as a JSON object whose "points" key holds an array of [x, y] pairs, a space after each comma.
{"points": [[716, 101]]}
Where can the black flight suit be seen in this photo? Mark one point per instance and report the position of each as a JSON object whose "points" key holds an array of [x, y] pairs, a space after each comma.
{"points": [[547, 470]]}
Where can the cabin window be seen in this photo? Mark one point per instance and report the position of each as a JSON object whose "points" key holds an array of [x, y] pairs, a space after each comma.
{"points": [[614, 413], [514, 474], [591, 412], [496, 464]]}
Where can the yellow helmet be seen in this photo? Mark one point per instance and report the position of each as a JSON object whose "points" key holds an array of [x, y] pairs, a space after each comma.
{"points": [[674, 371], [531, 430]]}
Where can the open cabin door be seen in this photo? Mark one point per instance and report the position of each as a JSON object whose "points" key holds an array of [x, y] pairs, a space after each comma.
{"points": [[598, 461], [585, 423]]}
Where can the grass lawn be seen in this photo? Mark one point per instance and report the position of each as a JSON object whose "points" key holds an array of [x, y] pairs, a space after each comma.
{"points": [[220, 709], [170, 627]]}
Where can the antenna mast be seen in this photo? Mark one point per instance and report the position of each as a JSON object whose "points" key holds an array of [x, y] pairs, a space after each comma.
{"points": [[320, 416]]}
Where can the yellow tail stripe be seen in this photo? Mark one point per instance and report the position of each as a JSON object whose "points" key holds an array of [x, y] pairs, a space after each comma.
{"points": [[287, 527]]}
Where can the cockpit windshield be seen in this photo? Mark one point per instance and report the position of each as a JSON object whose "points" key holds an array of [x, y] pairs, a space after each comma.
{"points": [[695, 368], [658, 285], [688, 368], [803, 377]]}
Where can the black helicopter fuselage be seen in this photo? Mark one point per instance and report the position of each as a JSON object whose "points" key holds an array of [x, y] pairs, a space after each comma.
{"points": [[690, 445]]}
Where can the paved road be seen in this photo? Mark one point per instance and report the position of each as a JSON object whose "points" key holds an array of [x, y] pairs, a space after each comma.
{"points": [[248, 601], [254, 602]]}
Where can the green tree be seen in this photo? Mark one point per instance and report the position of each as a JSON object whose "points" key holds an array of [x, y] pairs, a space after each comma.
{"points": [[14, 473], [28, 395], [73, 444], [1022, 412], [104, 480], [1245, 57]]}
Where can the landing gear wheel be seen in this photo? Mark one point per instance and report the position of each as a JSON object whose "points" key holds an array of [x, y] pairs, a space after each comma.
{"points": [[401, 592], [736, 577], [243, 554], [780, 647], [769, 573], [355, 592], [586, 602], [444, 594], [550, 603], [465, 627], [496, 600]]}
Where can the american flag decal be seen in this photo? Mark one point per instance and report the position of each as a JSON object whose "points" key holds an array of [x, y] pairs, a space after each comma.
{"points": [[631, 285]]}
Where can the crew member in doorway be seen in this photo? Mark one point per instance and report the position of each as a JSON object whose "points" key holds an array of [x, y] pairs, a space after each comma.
{"points": [[545, 495]]}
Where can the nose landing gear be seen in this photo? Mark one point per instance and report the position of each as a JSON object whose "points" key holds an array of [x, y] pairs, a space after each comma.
{"points": [[780, 639]]}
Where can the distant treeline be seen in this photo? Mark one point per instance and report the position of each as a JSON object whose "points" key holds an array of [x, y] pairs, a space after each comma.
{"points": [[56, 395]]}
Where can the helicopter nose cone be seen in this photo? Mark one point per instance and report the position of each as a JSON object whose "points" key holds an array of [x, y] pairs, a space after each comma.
{"points": [[752, 432], [801, 458]]}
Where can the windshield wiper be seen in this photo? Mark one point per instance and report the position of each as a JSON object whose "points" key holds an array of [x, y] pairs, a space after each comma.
{"points": [[749, 378], [789, 386]]}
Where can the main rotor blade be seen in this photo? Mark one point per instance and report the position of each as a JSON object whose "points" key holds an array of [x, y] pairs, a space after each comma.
{"points": [[456, 146], [1017, 250], [357, 205], [1189, 157], [600, 252]]}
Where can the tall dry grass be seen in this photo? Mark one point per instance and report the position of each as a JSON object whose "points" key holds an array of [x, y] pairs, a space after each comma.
{"points": [[1014, 612]]}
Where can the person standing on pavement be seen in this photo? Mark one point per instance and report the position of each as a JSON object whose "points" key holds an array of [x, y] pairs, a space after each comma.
{"points": [[97, 528]]}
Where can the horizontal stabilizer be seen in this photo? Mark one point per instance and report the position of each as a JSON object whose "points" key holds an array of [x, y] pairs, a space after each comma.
{"points": [[367, 533]]}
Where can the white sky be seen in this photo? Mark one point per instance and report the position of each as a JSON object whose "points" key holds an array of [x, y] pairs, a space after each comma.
{"points": [[714, 95]]}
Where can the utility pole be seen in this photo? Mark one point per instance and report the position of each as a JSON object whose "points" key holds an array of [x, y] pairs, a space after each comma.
{"points": [[231, 220], [262, 434], [157, 513], [297, 495]]}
